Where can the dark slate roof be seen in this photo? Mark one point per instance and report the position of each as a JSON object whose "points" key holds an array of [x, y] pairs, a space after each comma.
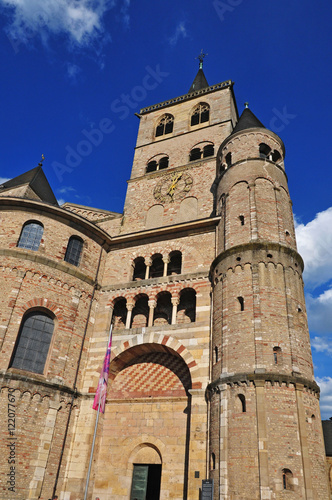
{"points": [[37, 181], [199, 83], [247, 120], [327, 431]]}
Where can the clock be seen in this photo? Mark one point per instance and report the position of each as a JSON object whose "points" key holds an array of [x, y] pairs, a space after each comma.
{"points": [[173, 187]]}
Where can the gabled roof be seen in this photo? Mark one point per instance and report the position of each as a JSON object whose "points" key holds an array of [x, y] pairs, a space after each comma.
{"points": [[38, 182], [199, 83], [247, 120]]}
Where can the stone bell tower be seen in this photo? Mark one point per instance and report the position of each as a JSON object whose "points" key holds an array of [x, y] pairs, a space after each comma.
{"points": [[265, 438]]}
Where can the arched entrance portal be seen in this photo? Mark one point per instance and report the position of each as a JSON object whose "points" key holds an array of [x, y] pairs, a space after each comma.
{"points": [[144, 450]]}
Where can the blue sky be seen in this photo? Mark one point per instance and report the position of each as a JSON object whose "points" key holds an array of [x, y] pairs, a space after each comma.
{"points": [[74, 72]]}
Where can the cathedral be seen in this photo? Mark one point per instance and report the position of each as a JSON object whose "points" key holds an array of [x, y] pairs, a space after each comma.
{"points": [[211, 393]]}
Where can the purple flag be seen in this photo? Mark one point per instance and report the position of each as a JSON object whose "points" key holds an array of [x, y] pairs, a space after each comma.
{"points": [[102, 384]]}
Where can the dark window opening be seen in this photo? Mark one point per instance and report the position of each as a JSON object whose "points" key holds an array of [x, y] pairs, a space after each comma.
{"points": [[139, 269], [201, 114], [228, 159], [241, 302], [264, 151], [195, 154], [243, 402], [31, 236], [151, 166], [175, 263], [216, 355], [163, 162], [277, 355], [208, 150], [287, 476], [241, 217], [74, 250], [213, 461], [33, 342], [165, 126], [154, 165], [186, 312], [163, 309], [157, 267], [276, 156], [140, 314], [120, 314]]}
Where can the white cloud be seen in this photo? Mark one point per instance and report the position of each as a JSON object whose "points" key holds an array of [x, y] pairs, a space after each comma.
{"points": [[66, 190], [322, 345], [319, 310], [179, 32], [73, 71], [80, 20], [314, 241], [325, 384], [3, 179], [61, 201]]}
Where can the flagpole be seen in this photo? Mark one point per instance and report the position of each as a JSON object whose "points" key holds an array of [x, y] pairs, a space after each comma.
{"points": [[95, 431]]}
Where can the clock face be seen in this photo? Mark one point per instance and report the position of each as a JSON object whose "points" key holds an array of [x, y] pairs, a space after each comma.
{"points": [[173, 187]]}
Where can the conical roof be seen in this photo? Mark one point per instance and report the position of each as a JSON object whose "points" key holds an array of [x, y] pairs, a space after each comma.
{"points": [[199, 83], [247, 120], [37, 180]]}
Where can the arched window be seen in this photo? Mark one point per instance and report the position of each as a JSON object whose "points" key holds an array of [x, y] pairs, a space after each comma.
{"points": [[157, 267], [186, 312], [33, 342], [154, 165], [175, 263], [264, 150], [243, 402], [241, 302], [208, 150], [140, 314], [201, 114], [287, 479], [139, 269], [165, 125], [163, 310], [277, 355], [74, 250], [241, 218], [119, 313], [195, 154], [216, 354], [31, 235]]}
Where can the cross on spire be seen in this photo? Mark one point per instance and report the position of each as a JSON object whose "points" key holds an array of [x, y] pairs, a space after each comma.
{"points": [[201, 58]]}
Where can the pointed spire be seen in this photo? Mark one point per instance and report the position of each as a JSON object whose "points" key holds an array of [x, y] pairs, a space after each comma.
{"points": [[247, 120], [200, 81]]}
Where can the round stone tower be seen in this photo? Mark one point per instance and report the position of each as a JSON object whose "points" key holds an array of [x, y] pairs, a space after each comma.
{"points": [[266, 439]]}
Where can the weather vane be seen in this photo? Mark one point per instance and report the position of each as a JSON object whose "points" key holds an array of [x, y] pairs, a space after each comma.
{"points": [[246, 104], [201, 58], [40, 164]]}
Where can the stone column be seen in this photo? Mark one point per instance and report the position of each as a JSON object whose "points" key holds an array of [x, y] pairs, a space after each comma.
{"points": [[152, 304], [166, 262], [148, 263], [175, 302], [130, 307]]}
